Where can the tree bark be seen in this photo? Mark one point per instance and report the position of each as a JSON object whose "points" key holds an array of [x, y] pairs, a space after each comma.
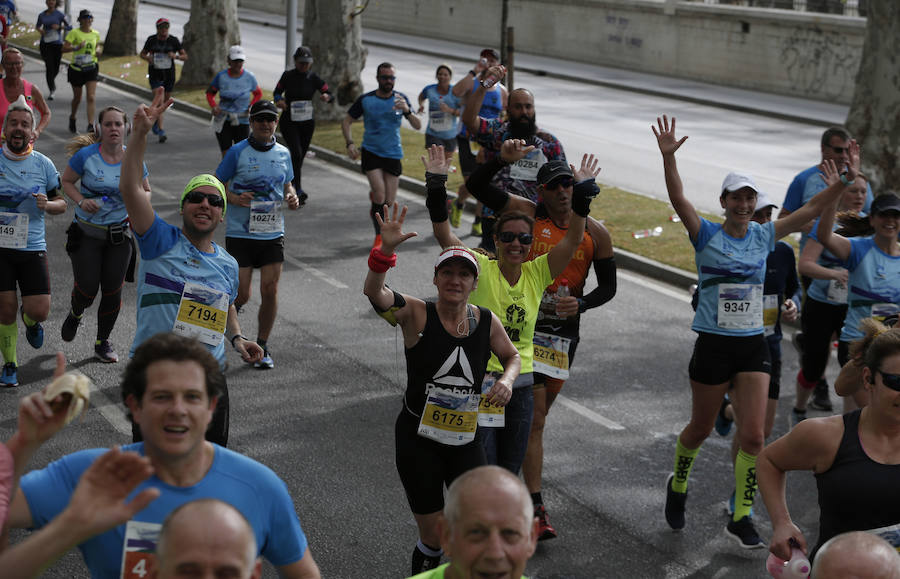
{"points": [[213, 27], [334, 35], [874, 117], [121, 38]]}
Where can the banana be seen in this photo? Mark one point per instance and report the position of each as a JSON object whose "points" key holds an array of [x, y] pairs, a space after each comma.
{"points": [[75, 389]]}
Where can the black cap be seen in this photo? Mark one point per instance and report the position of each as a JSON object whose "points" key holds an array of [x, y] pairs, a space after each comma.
{"points": [[885, 202], [303, 54], [553, 169], [263, 109], [490, 53], [85, 14]]}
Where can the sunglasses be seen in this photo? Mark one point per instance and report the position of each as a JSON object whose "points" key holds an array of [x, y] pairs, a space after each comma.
{"points": [[214, 199], [892, 381], [386, 77], [839, 150], [562, 182], [510, 236]]}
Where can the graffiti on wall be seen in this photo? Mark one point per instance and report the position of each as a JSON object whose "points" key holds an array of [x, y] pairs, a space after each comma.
{"points": [[620, 33], [819, 63]]}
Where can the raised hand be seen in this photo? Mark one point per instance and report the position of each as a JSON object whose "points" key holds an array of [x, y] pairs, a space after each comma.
{"points": [[853, 168], [514, 149], [145, 115], [665, 136], [590, 168], [392, 228], [435, 161], [829, 172]]}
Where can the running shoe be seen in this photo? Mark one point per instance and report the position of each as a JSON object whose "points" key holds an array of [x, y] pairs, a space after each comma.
{"points": [[820, 399], [266, 363], [72, 128], [69, 327], [797, 416], [476, 229], [162, 136], [723, 423], [90, 128], [33, 333], [744, 533], [302, 197], [8, 377], [674, 506], [50, 97], [455, 213], [729, 507], [545, 529], [105, 353]]}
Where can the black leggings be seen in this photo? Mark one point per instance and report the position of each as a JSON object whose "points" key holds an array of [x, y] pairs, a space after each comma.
{"points": [[297, 137], [52, 55], [97, 265], [819, 321]]}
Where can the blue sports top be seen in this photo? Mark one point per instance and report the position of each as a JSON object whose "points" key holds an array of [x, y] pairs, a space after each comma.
{"points": [[100, 182], [440, 124], [382, 123], [20, 181], [873, 285], [235, 93]]}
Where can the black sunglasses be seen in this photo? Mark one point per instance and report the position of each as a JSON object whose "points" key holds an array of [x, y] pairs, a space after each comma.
{"points": [[510, 236], [214, 199], [386, 77], [561, 182], [892, 381], [839, 150]]}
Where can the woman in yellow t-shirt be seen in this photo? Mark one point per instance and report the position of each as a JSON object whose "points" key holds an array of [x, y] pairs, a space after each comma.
{"points": [[84, 44]]}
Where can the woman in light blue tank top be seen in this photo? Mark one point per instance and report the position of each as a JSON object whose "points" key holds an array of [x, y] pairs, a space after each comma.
{"points": [[731, 347]]}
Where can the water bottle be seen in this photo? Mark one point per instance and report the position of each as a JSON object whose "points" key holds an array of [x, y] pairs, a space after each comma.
{"points": [[562, 291], [797, 568], [489, 81], [655, 232]]}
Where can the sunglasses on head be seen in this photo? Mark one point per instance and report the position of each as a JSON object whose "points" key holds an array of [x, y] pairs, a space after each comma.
{"points": [[214, 199], [892, 381], [561, 182], [386, 77], [510, 236]]}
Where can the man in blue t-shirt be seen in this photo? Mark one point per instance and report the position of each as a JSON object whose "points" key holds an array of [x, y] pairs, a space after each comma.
{"points": [[171, 387], [382, 110]]}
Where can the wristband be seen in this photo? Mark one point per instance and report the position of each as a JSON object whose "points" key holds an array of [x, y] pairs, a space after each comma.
{"points": [[80, 201], [349, 143], [379, 262], [845, 181], [235, 337], [407, 114], [473, 73]]}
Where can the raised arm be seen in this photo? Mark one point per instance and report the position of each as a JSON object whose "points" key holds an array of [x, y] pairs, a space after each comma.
{"points": [[582, 194], [473, 103], [137, 202], [436, 166], [464, 85], [809, 264], [668, 144], [836, 244]]}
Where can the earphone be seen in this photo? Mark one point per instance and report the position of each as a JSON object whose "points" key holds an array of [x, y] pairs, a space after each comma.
{"points": [[98, 129]]}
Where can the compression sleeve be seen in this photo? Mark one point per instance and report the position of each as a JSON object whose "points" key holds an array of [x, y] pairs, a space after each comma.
{"points": [[257, 94], [582, 195], [479, 185], [605, 269], [436, 199], [211, 97]]}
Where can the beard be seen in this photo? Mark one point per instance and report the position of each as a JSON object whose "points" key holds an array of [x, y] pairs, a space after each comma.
{"points": [[17, 142], [523, 127]]}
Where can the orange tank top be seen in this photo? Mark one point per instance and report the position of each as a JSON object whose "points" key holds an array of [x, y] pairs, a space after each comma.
{"points": [[546, 236]]}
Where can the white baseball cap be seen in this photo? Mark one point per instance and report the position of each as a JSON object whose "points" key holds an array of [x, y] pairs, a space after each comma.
{"points": [[236, 53], [457, 253], [763, 201], [735, 181]]}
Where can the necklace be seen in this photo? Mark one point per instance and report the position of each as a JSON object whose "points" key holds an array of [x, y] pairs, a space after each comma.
{"points": [[468, 320]]}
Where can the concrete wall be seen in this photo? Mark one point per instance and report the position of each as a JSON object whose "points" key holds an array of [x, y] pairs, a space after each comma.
{"points": [[794, 53]]}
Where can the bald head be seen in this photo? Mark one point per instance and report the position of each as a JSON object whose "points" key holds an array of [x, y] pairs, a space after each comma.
{"points": [[206, 538], [856, 555], [477, 482]]}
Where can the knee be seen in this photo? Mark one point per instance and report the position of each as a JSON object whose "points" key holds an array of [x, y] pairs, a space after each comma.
{"points": [[752, 442], [243, 296], [8, 313], [269, 291], [38, 312], [537, 421]]}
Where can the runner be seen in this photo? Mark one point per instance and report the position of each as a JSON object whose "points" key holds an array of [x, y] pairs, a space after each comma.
{"points": [[84, 69], [443, 113], [257, 174], [447, 345], [14, 85], [53, 25], [293, 95], [29, 188], [99, 238], [186, 283], [161, 50], [235, 87], [731, 347]]}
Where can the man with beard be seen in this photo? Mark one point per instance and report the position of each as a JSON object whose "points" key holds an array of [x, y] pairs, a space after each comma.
{"points": [[520, 178], [29, 188], [186, 283], [383, 110]]}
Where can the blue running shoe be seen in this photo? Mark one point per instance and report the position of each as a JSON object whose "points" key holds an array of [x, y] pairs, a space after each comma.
{"points": [[266, 363], [723, 423], [8, 378], [34, 333]]}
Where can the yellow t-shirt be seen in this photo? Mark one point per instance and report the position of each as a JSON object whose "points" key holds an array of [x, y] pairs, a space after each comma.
{"points": [[516, 306], [86, 56]]}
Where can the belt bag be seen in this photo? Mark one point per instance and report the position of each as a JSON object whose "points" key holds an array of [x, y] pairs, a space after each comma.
{"points": [[115, 234]]}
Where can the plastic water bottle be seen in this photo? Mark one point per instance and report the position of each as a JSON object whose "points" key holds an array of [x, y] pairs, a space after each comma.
{"points": [[489, 81], [562, 291], [655, 232], [797, 568]]}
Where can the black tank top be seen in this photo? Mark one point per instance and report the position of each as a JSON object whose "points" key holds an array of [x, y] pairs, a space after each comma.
{"points": [[856, 493], [444, 361]]}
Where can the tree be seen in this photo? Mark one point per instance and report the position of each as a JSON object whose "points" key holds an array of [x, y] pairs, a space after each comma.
{"points": [[212, 27], [874, 117], [121, 38], [332, 29]]}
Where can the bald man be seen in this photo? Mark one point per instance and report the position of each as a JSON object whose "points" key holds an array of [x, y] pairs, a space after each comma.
{"points": [[488, 526], [206, 538], [856, 555]]}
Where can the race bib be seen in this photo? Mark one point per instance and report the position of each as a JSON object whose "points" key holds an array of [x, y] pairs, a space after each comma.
{"points": [[891, 534], [449, 418], [882, 311], [301, 111], [740, 306], [51, 36], [489, 415], [139, 546], [551, 355], [527, 169], [770, 313], [440, 121], [837, 291], [84, 59], [14, 230], [266, 217], [162, 60], [202, 314]]}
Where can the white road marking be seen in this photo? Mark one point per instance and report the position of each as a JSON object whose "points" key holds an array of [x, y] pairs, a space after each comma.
{"points": [[111, 411], [655, 286], [316, 272], [588, 413]]}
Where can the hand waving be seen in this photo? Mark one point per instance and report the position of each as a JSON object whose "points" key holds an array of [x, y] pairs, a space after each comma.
{"points": [[589, 168], [145, 115], [665, 136], [435, 162], [392, 227], [514, 149]]}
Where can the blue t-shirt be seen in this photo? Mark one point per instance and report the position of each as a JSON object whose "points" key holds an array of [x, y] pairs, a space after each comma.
{"points": [[168, 261], [7, 7], [491, 106], [873, 285], [382, 123], [51, 36], [100, 182], [820, 289], [20, 181], [265, 173], [250, 487], [440, 124], [235, 93], [731, 273]]}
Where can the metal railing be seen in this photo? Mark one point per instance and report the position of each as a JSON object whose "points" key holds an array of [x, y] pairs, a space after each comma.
{"points": [[844, 7]]}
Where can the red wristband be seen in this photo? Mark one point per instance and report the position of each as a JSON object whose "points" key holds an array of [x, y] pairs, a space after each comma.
{"points": [[379, 262]]}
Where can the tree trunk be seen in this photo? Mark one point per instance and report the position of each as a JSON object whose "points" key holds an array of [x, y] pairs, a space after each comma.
{"points": [[121, 38], [874, 117], [334, 35], [211, 29]]}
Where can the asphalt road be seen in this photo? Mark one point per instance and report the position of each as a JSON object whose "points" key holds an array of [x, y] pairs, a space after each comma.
{"points": [[323, 418]]}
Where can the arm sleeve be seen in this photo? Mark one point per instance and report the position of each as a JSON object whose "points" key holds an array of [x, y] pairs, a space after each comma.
{"points": [[257, 94], [278, 93], [211, 97], [479, 185], [605, 269]]}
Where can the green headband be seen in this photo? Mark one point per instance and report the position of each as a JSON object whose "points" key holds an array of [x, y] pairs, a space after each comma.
{"points": [[200, 181]]}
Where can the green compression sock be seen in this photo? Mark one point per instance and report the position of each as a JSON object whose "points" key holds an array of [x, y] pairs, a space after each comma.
{"points": [[684, 461], [8, 335], [28, 321], [744, 484]]}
